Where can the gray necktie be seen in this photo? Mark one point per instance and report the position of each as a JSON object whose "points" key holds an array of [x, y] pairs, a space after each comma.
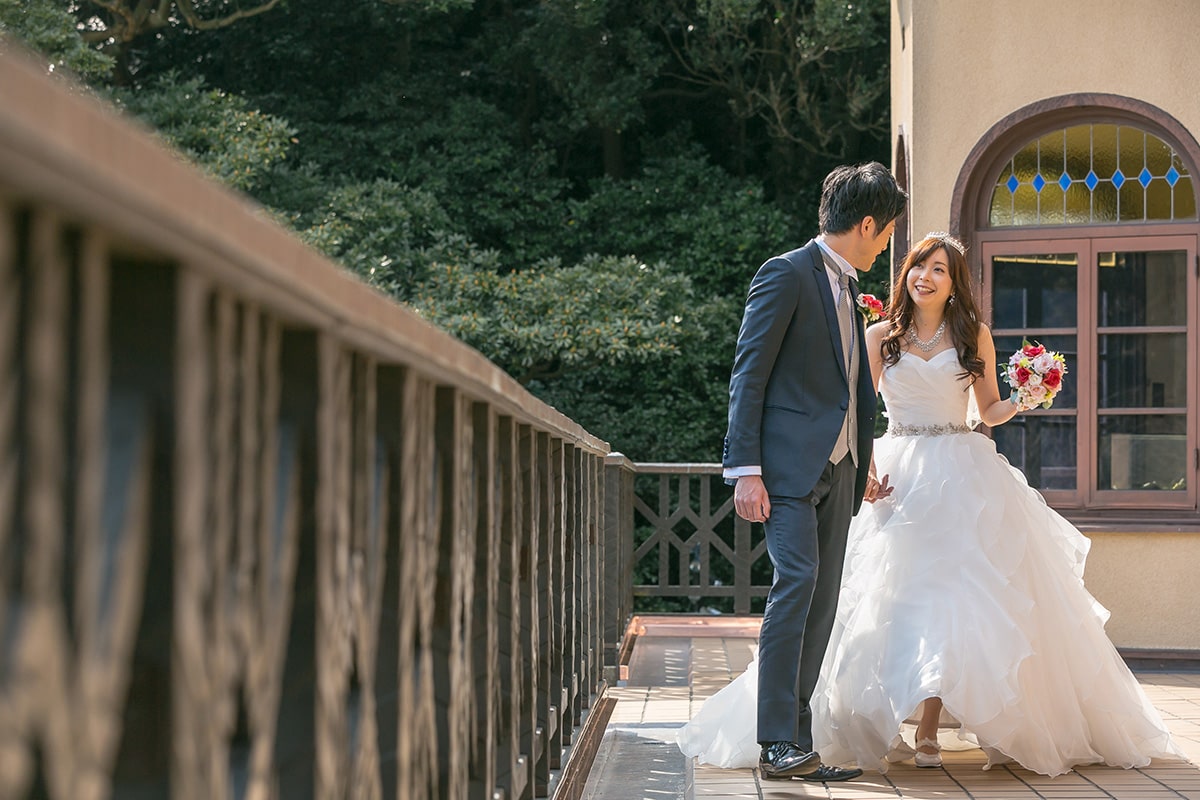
{"points": [[848, 436]]}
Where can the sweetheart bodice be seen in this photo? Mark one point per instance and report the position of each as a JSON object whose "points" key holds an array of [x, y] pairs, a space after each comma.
{"points": [[926, 393]]}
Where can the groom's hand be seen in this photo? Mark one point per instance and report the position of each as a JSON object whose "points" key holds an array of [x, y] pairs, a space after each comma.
{"points": [[750, 499]]}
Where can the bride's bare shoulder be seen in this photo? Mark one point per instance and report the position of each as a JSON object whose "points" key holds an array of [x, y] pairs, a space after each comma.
{"points": [[985, 336], [877, 331]]}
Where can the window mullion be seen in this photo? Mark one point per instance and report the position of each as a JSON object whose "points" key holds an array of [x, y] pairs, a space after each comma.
{"points": [[1087, 427], [1193, 425], [1141, 329]]}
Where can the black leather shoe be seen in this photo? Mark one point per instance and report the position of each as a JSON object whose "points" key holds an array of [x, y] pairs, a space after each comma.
{"points": [[828, 774], [781, 761]]}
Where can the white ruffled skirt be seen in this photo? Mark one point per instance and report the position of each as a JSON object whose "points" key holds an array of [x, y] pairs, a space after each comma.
{"points": [[963, 585]]}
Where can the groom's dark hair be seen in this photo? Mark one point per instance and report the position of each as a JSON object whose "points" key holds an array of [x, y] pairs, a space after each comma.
{"points": [[850, 194]]}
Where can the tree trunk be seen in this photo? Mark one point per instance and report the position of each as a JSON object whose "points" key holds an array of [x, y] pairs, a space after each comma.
{"points": [[614, 157], [121, 75], [783, 171]]}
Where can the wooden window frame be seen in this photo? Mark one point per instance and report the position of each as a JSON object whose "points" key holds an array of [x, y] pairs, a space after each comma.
{"points": [[1087, 242]]}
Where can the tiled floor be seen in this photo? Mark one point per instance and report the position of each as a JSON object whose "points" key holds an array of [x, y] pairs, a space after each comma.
{"points": [[670, 675]]}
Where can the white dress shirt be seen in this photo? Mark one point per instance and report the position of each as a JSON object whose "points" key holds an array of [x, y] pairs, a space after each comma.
{"points": [[835, 287]]}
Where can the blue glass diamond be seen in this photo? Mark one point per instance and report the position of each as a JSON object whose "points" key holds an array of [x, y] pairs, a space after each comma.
{"points": [[1172, 176], [1038, 182], [1091, 180], [1012, 183], [1064, 181], [1118, 179], [1144, 177]]}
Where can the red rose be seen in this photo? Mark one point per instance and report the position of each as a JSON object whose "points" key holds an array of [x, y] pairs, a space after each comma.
{"points": [[1052, 379], [1032, 350], [870, 306], [1022, 376]]}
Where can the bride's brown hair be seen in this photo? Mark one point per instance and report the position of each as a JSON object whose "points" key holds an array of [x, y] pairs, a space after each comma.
{"points": [[962, 317]]}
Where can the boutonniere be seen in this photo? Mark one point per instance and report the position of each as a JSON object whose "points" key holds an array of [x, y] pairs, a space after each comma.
{"points": [[871, 307]]}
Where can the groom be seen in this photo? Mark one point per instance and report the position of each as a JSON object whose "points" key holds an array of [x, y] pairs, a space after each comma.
{"points": [[801, 422]]}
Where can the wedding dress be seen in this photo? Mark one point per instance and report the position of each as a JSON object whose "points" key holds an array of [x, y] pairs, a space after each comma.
{"points": [[963, 585]]}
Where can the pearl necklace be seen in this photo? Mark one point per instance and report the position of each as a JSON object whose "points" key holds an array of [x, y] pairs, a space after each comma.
{"points": [[924, 346]]}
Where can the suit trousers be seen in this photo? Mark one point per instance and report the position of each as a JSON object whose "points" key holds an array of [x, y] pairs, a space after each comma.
{"points": [[806, 540]]}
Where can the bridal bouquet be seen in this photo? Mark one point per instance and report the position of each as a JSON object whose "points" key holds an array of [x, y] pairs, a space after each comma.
{"points": [[1035, 374]]}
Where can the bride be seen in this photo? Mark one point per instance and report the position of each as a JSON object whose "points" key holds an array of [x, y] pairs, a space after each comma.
{"points": [[962, 601]]}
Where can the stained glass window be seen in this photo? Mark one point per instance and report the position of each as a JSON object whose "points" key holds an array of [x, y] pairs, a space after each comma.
{"points": [[1093, 174]]}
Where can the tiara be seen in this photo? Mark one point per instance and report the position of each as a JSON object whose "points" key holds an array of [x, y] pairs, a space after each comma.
{"points": [[946, 238]]}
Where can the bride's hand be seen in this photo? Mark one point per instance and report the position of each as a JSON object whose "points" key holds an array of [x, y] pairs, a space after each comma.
{"points": [[876, 489]]}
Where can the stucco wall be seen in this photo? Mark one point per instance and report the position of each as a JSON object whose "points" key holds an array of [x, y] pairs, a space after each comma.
{"points": [[1149, 583], [964, 66], [958, 68]]}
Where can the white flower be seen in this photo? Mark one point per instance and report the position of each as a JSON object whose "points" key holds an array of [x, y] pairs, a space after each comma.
{"points": [[1034, 379], [1044, 363]]}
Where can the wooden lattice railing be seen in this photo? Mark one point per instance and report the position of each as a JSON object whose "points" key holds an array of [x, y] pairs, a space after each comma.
{"points": [[264, 533], [690, 546]]}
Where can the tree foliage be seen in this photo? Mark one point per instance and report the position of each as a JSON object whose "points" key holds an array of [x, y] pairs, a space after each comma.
{"points": [[49, 28], [541, 322], [381, 231], [119, 22], [812, 73], [683, 210], [582, 191], [468, 153], [221, 132]]}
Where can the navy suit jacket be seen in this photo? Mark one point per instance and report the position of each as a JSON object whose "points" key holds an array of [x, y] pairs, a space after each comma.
{"points": [[788, 392]]}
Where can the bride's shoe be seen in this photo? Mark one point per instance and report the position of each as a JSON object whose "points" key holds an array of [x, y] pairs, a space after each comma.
{"points": [[899, 750], [995, 758], [928, 760]]}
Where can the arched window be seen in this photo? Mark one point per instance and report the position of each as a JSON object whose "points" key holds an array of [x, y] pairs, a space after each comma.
{"points": [[1086, 235], [1093, 174]]}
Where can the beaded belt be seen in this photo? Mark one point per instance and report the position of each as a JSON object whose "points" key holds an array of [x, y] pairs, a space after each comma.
{"points": [[898, 429]]}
